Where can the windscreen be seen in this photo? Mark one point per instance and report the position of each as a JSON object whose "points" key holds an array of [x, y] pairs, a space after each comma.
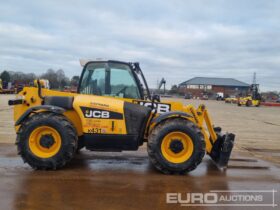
{"points": [[109, 79]]}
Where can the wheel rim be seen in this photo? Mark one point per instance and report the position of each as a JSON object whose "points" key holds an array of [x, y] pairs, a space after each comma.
{"points": [[179, 153], [44, 142]]}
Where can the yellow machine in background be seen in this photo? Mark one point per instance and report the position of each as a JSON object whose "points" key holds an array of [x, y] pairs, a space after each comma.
{"points": [[114, 111], [248, 101], [1, 86], [231, 100], [254, 99], [44, 83], [6, 91]]}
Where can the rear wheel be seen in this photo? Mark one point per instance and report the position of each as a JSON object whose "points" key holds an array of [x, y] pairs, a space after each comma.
{"points": [[249, 103], [176, 146], [46, 141]]}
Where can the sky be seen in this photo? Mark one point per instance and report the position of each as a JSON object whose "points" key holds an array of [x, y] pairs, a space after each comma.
{"points": [[177, 39]]}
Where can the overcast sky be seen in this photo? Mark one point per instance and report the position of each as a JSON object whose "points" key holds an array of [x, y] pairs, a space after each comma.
{"points": [[175, 39]]}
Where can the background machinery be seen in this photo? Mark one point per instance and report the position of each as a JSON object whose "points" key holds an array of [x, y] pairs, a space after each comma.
{"points": [[220, 96], [162, 82], [1, 86], [231, 99], [44, 83], [6, 88], [114, 111], [253, 98]]}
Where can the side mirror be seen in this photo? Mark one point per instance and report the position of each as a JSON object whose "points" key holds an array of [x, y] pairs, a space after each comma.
{"points": [[156, 97]]}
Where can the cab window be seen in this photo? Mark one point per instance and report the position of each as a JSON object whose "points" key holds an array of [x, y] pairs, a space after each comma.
{"points": [[109, 79]]}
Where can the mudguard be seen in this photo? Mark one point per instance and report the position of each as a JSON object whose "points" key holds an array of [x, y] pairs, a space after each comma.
{"points": [[166, 115], [49, 108]]}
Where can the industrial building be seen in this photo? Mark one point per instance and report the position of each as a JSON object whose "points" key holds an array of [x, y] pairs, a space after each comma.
{"points": [[199, 86]]}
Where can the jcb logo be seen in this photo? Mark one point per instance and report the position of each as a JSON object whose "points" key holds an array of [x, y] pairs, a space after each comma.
{"points": [[100, 113], [161, 108], [97, 114]]}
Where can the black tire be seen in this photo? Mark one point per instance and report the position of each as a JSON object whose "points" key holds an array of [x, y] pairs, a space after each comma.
{"points": [[80, 145], [155, 140], [249, 103], [67, 133]]}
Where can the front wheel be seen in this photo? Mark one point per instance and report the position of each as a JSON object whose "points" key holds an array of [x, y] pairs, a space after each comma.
{"points": [[46, 141], [176, 146]]}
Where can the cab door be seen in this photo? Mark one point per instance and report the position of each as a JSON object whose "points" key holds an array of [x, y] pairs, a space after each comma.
{"points": [[110, 79]]}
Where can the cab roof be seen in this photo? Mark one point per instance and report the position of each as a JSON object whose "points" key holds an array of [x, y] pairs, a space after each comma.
{"points": [[83, 62]]}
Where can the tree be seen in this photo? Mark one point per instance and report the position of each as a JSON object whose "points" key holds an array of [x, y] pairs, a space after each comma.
{"points": [[64, 82], [174, 89], [22, 78], [30, 77], [57, 79], [75, 81], [5, 76], [60, 77], [52, 77]]}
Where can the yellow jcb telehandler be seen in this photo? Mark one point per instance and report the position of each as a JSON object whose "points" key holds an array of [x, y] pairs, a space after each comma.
{"points": [[114, 111]]}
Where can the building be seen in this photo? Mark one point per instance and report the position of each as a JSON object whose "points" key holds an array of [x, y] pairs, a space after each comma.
{"points": [[199, 86]]}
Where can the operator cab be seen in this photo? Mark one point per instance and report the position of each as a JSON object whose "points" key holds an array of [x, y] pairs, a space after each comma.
{"points": [[113, 78]]}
